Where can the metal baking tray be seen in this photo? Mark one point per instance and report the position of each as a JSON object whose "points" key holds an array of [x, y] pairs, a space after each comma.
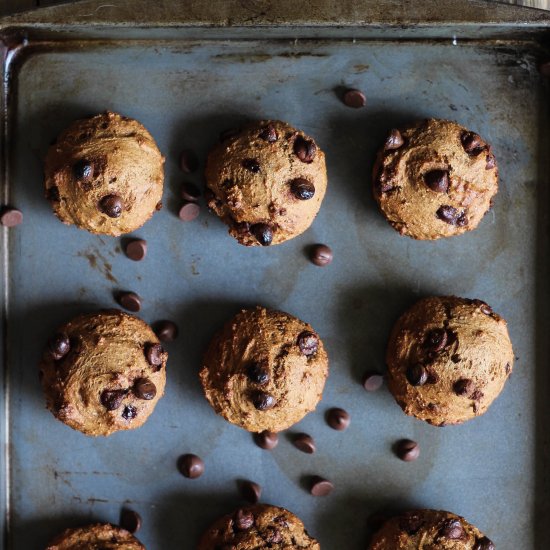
{"points": [[188, 74]]}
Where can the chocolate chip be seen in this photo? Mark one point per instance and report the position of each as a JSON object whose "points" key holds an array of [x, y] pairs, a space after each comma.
{"points": [[10, 217], [437, 180], [394, 140], [52, 194], [129, 412], [305, 149], [304, 443], [112, 206], [455, 358], [463, 386], [250, 491], [483, 544], [155, 355], [476, 395], [158, 206], [190, 192], [451, 529], [485, 308], [449, 214], [372, 381], [338, 419], [112, 399], [411, 523], [269, 133], [263, 401], [263, 233], [508, 368], [252, 165], [136, 249], [490, 163], [188, 161], [354, 98], [130, 520], [308, 342], [59, 345], [320, 487], [436, 340], [189, 211], [302, 189], [191, 466], [129, 300], [266, 440], [273, 536], [166, 331], [472, 143], [407, 450], [83, 170], [228, 134], [321, 255], [144, 389], [417, 375], [462, 220], [243, 520], [258, 373]]}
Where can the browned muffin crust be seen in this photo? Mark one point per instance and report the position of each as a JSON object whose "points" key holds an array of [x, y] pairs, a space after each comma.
{"points": [[101, 536]]}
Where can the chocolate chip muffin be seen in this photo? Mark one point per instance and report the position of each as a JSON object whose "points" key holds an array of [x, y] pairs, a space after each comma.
{"points": [[103, 372], [105, 174], [429, 529], [434, 179], [448, 359], [266, 181], [265, 370], [256, 527], [101, 536]]}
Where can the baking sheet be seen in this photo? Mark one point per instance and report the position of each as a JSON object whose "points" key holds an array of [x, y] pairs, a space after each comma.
{"points": [[489, 470]]}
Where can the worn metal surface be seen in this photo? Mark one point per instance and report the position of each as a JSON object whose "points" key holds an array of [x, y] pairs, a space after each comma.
{"points": [[489, 470]]}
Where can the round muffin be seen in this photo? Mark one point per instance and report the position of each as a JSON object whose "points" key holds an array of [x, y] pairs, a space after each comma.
{"points": [[429, 529], [448, 359], [256, 527], [266, 181], [103, 372], [105, 174], [265, 370], [434, 179], [101, 536]]}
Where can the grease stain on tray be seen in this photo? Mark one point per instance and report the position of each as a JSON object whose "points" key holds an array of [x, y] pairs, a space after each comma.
{"points": [[98, 262]]}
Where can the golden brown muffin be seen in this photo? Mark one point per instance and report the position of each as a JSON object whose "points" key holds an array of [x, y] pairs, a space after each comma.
{"points": [[265, 370], [266, 181], [434, 179], [101, 536], [429, 530], [103, 372], [105, 174], [256, 527], [448, 359]]}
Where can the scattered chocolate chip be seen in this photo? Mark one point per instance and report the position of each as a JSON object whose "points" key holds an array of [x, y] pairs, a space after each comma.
{"points": [[188, 161], [191, 466], [490, 163], [407, 450], [483, 544], [437, 180], [112, 399], [372, 381], [155, 354], [451, 529], [166, 331], [189, 211], [112, 206], [252, 165], [263, 401], [304, 443], [130, 520], [436, 340], [417, 375], [463, 386], [144, 389], [83, 170], [308, 342], [321, 255], [320, 487], [472, 143], [394, 140], [266, 440], [269, 133], [338, 419], [52, 194], [448, 214], [59, 345], [273, 536], [305, 149], [190, 192], [258, 373], [136, 249], [10, 217], [250, 491], [354, 98], [302, 189], [263, 233], [243, 520], [129, 300], [129, 412], [228, 134]]}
